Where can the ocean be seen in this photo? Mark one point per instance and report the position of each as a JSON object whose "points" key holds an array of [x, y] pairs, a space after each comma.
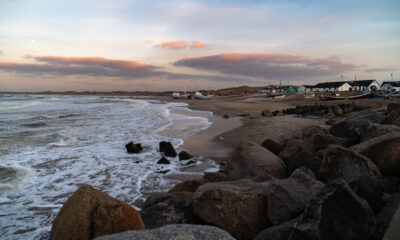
{"points": [[50, 145]]}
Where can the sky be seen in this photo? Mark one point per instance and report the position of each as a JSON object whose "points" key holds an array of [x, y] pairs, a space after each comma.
{"points": [[121, 45]]}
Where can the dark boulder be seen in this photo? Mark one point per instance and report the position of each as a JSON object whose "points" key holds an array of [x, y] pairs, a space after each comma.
{"points": [[373, 116], [163, 160], [321, 140], [391, 117], [216, 176], [356, 130], [168, 149], [278, 232], [183, 155], [304, 159], [133, 148], [272, 146], [308, 131], [187, 186], [385, 216], [340, 162], [336, 212], [290, 149], [393, 107], [267, 113], [191, 162]]}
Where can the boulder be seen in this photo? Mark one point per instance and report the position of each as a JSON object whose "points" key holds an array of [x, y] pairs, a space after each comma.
{"points": [[287, 198], [133, 148], [372, 189], [272, 146], [163, 160], [173, 232], [304, 159], [239, 207], [267, 113], [278, 232], [166, 208], [322, 140], [396, 122], [290, 149], [183, 155], [373, 116], [215, 176], [91, 213], [385, 216], [191, 162], [393, 107], [308, 131], [391, 117], [356, 130], [167, 149], [340, 162], [335, 212], [187, 186], [384, 151], [250, 159]]}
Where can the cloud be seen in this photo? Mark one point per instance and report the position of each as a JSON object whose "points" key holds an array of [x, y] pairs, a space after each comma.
{"points": [[178, 44], [148, 40], [379, 69], [197, 44], [1, 52], [267, 66]]}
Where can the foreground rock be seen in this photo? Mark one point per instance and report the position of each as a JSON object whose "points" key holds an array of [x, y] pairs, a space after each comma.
{"points": [[340, 162], [173, 232], [272, 146], [385, 216], [91, 213], [250, 160], [335, 212], [167, 208], [187, 186], [168, 149], [239, 207], [356, 130], [133, 148], [183, 155], [163, 160], [288, 197], [384, 151], [290, 149], [304, 159]]}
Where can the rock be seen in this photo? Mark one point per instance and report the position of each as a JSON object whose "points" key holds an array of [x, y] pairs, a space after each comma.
{"points": [[340, 162], [183, 155], [309, 131], [373, 116], [304, 159], [372, 188], [272, 146], [287, 198], [279, 114], [335, 212], [385, 216], [393, 232], [250, 159], [226, 116], [290, 149], [168, 149], [356, 130], [331, 122], [133, 148], [163, 171], [91, 213], [267, 113], [384, 151], [187, 186], [163, 160], [191, 162], [393, 107], [322, 140], [278, 232], [396, 122], [239, 207], [216, 176], [173, 232], [391, 117], [164, 209]]}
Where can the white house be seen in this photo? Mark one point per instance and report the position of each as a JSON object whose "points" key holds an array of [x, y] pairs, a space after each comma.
{"points": [[365, 85], [391, 86], [305, 88], [332, 87]]}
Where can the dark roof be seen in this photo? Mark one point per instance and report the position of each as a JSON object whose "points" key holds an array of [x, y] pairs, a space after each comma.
{"points": [[308, 86], [329, 85], [394, 84], [361, 83]]}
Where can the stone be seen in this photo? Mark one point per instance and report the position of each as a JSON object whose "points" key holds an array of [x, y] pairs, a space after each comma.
{"points": [[215, 176], [272, 146], [239, 207], [133, 148], [173, 232], [373, 116], [279, 232], [287, 198], [396, 122], [183, 155], [304, 159], [226, 116], [167, 208], [385, 216], [322, 140], [393, 107], [309, 131], [167, 149], [267, 113], [250, 159], [290, 149], [391, 117], [393, 232], [340, 162], [372, 189], [91, 213], [187, 186], [191, 162], [335, 212], [356, 130], [384, 151], [163, 160]]}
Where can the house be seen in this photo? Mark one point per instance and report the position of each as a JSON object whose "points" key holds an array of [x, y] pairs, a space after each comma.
{"points": [[332, 87], [365, 85], [305, 88], [391, 86]]}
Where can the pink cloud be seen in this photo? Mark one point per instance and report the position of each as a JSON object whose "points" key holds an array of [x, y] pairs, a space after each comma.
{"points": [[1, 52], [197, 44], [380, 69], [148, 40], [178, 44]]}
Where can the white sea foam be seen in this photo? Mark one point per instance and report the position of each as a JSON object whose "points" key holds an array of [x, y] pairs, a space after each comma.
{"points": [[18, 106]]}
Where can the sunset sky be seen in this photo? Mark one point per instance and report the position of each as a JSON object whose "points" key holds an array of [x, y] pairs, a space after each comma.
{"points": [[172, 45]]}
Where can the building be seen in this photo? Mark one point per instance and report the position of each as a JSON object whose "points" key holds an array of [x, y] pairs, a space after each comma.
{"points": [[391, 86], [305, 88], [365, 85], [332, 87]]}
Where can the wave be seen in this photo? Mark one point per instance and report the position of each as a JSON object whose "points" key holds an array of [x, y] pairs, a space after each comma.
{"points": [[11, 178], [18, 106]]}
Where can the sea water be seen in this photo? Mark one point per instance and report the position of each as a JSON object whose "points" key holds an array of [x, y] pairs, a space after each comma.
{"points": [[51, 145]]}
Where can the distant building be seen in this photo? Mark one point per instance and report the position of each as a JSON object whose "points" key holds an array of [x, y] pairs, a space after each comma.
{"points": [[347, 86], [365, 85], [305, 88], [391, 86], [332, 87]]}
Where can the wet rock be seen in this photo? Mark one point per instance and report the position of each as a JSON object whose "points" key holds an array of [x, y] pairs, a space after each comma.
{"points": [[321, 140], [163, 160], [250, 159], [385, 216], [226, 116], [191, 162], [91, 213], [290, 149], [384, 151], [163, 171], [267, 113], [287, 198], [309, 131], [168, 149], [393, 107], [167, 208], [239, 207], [183, 155], [173, 232], [133, 148], [335, 212], [340, 162], [216, 176], [304, 159], [391, 117], [272, 146], [187, 186], [278, 232], [356, 130]]}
